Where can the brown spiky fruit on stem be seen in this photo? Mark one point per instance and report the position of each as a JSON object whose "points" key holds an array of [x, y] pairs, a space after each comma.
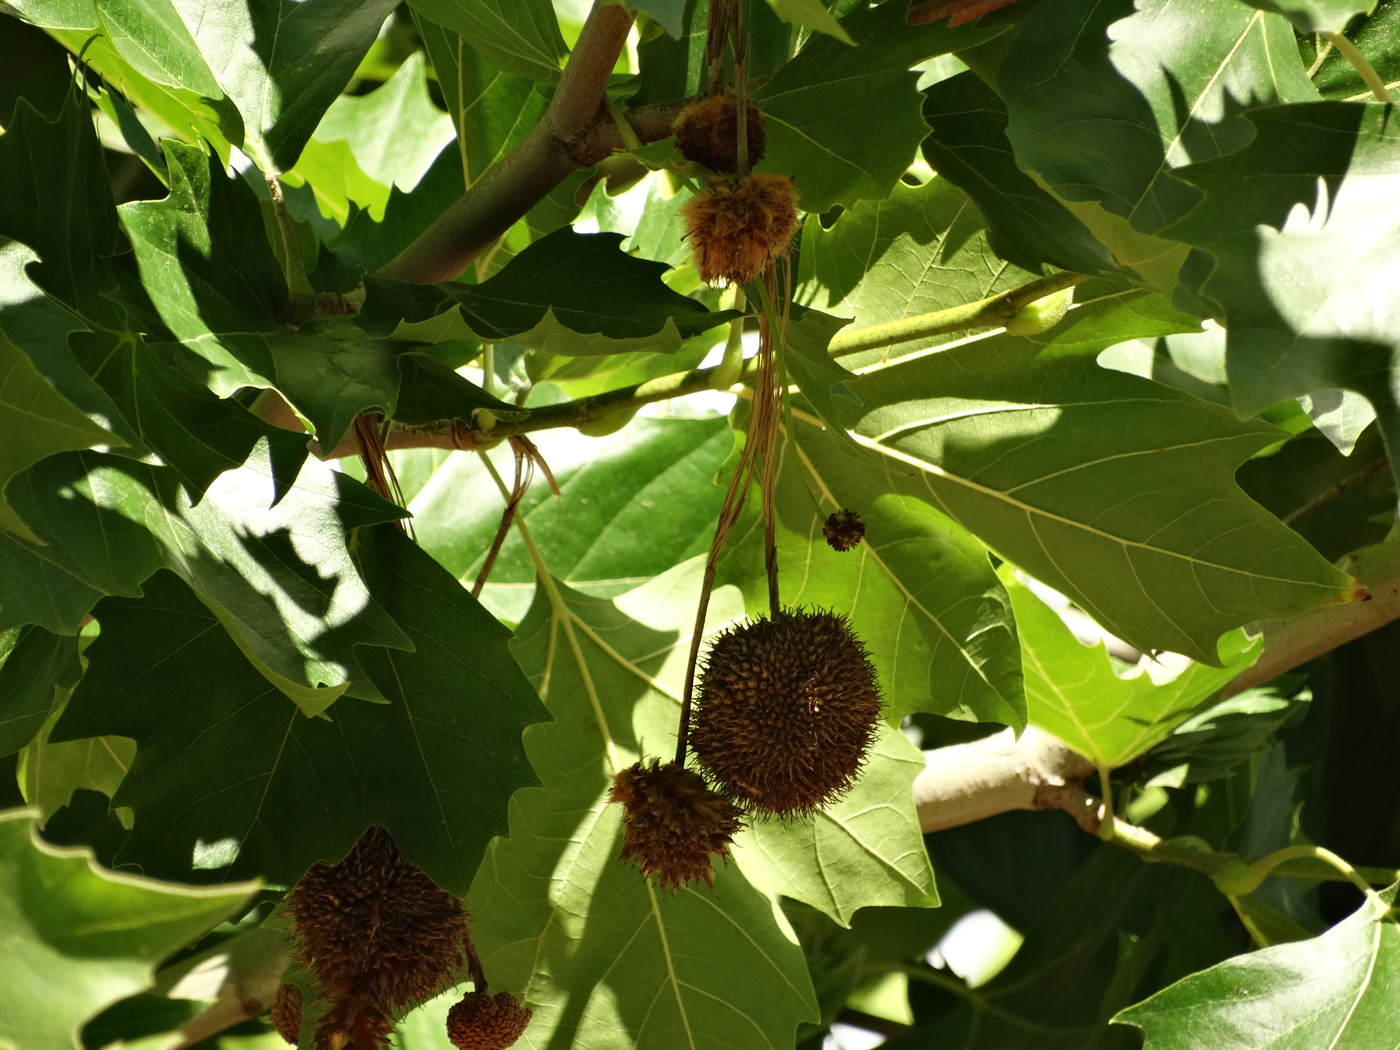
{"points": [[787, 709], [481, 1021], [379, 935], [674, 824]]}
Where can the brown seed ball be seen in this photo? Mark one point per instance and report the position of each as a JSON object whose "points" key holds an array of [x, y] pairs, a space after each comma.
{"points": [[286, 1013], [486, 1022], [674, 823], [843, 530], [737, 227], [375, 928], [786, 712], [707, 133]]}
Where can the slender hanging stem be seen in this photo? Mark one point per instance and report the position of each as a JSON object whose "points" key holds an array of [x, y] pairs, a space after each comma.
{"points": [[1359, 63]]}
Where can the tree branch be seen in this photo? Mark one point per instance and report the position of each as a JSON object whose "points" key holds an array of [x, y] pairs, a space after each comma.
{"points": [[566, 139]]}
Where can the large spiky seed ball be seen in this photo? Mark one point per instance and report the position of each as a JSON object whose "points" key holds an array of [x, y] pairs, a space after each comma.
{"points": [[375, 928], [736, 227], [286, 1012], [843, 529], [674, 823], [708, 133], [786, 711], [486, 1022]]}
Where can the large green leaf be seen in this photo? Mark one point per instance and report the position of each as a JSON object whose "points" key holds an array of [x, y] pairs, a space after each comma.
{"points": [[243, 779], [35, 590], [517, 36], [919, 591], [1313, 16], [816, 860], [39, 663], [923, 248], [652, 479], [1337, 990], [1074, 473], [1302, 226], [35, 421], [626, 960], [55, 197], [579, 294], [1378, 40], [845, 121], [78, 938], [968, 147], [280, 578], [1106, 99], [1073, 692]]}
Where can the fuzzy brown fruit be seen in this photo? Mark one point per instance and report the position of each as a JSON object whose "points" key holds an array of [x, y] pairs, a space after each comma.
{"points": [[708, 132], [674, 822], [736, 227], [786, 712], [286, 1012], [486, 1022], [843, 530], [378, 934]]}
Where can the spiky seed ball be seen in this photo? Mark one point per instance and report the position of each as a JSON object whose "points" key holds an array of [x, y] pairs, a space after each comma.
{"points": [[286, 1012], [486, 1022], [786, 711], [736, 227], [674, 823], [374, 929], [708, 132], [843, 530]]}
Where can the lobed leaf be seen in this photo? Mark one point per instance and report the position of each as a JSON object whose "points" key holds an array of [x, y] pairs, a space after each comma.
{"points": [[78, 937], [520, 37]]}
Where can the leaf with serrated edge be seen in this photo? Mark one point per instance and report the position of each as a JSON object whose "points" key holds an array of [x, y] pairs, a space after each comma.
{"points": [[79, 937], [518, 36], [1073, 692], [241, 777], [1034, 455], [1338, 989], [815, 860], [624, 956], [35, 421], [846, 121]]}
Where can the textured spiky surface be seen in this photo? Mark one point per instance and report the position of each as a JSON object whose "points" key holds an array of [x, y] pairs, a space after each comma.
{"points": [[378, 934], [675, 824], [486, 1022], [708, 133], [286, 1012], [786, 712], [736, 227], [843, 530]]}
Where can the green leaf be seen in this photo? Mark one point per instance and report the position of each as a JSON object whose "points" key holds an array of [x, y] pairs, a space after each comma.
{"points": [[1378, 39], [1073, 692], [864, 851], [281, 578], [209, 270], [517, 36], [921, 249], [35, 421], [654, 478], [78, 937], [435, 765], [969, 148], [813, 15], [1339, 989], [669, 14], [579, 294], [845, 121], [50, 772], [55, 197], [919, 591], [39, 663], [628, 961], [34, 590], [1106, 100], [1033, 455], [1301, 220], [1209, 745], [1315, 16]]}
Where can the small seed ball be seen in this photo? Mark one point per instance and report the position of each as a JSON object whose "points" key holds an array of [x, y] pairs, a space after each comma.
{"points": [[707, 133]]}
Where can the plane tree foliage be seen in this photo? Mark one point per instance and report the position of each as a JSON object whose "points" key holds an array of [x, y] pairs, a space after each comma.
{"points": [[364, 426]]}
